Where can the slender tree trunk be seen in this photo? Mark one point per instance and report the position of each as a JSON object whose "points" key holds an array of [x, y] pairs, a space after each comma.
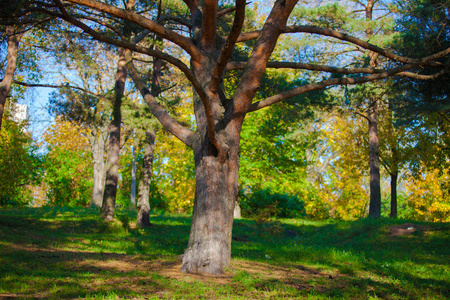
{"points": [[374, 152], [13, 51], [112, 169], [374, 157], [98, 153], [143, 205], [395, 159], [133, 177], [394, 178]]}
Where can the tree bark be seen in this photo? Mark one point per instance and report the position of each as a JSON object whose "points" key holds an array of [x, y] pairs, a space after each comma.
{"points": [[217, 151], [143, 205], [13, 52], [133, 177], [112, 169], [374, 158], [98, 141], [374, 149], [209, 248], [394, 178]]}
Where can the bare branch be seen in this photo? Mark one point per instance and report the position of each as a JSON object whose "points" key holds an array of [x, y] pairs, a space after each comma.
{"points": [[304, 66], [136, 48], [320, 85], [181, 21], [329, 69], [112, 28], [423, 77], [228, 10], [170, 35], [225, 11], [341, 36], [227, 49], [184, 134], [58, 86]]}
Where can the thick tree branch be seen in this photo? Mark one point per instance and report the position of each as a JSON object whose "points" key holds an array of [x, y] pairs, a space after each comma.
{"points": [[329, 69], [136, 48], [192, 5], [320, 85], [184, 134], [227, 49], [304, 66], [338, 35], [184, 42], [225, 11], [209, 24], [423, 77], [262, 50]]}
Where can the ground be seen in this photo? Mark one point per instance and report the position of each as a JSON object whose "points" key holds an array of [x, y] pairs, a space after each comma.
{"points": [[71, 254]]}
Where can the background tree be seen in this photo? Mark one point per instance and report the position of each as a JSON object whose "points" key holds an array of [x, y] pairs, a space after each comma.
{"points": [[13, 35], [85, 101], [68, 171], [20, 164]]}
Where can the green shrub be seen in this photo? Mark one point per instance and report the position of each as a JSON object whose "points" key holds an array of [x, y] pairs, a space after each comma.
{"points": [[287, 206]]}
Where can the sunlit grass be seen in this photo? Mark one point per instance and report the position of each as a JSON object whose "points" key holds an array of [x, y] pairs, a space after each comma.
{"points": [[70, 253]]}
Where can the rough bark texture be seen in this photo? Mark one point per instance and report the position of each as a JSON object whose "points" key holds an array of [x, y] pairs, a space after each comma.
{"points": [[217, 151], [374, 157], [133, 177], [143, 205], [112, 166], [374, 152], [394, 178], [209, 248], [13, 50], [97, 142]]}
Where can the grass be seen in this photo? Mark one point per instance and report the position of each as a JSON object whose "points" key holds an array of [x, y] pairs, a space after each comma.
{"points": [[62, 253]]}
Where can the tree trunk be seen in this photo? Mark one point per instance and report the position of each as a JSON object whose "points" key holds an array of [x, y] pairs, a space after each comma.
{"points": [[216, 141], [209, 248], [133, 177], [98, 152], [112, 169], [143, 205], [394, 195], [374, 152], [374, 157], [13, 50]]}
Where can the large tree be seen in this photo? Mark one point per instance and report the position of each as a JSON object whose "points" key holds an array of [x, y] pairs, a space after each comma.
{"points": [[219, 113]]}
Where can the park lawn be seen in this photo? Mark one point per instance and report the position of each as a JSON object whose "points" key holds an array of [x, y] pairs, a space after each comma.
{"points": [[68, 253]]}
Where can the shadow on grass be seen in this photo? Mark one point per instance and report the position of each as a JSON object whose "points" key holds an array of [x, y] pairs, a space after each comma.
{"points": [[70, 253], [72, 274]]}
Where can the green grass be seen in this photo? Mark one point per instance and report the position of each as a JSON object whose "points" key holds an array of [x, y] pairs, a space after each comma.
{"points": [[68, 253]]}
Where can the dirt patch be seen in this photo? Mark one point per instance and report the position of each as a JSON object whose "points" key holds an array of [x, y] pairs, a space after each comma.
{"points": [[406, 229], [160, 276]]}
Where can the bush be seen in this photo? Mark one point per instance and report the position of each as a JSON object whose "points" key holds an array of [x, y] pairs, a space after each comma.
{"points": [[281, 205]]}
